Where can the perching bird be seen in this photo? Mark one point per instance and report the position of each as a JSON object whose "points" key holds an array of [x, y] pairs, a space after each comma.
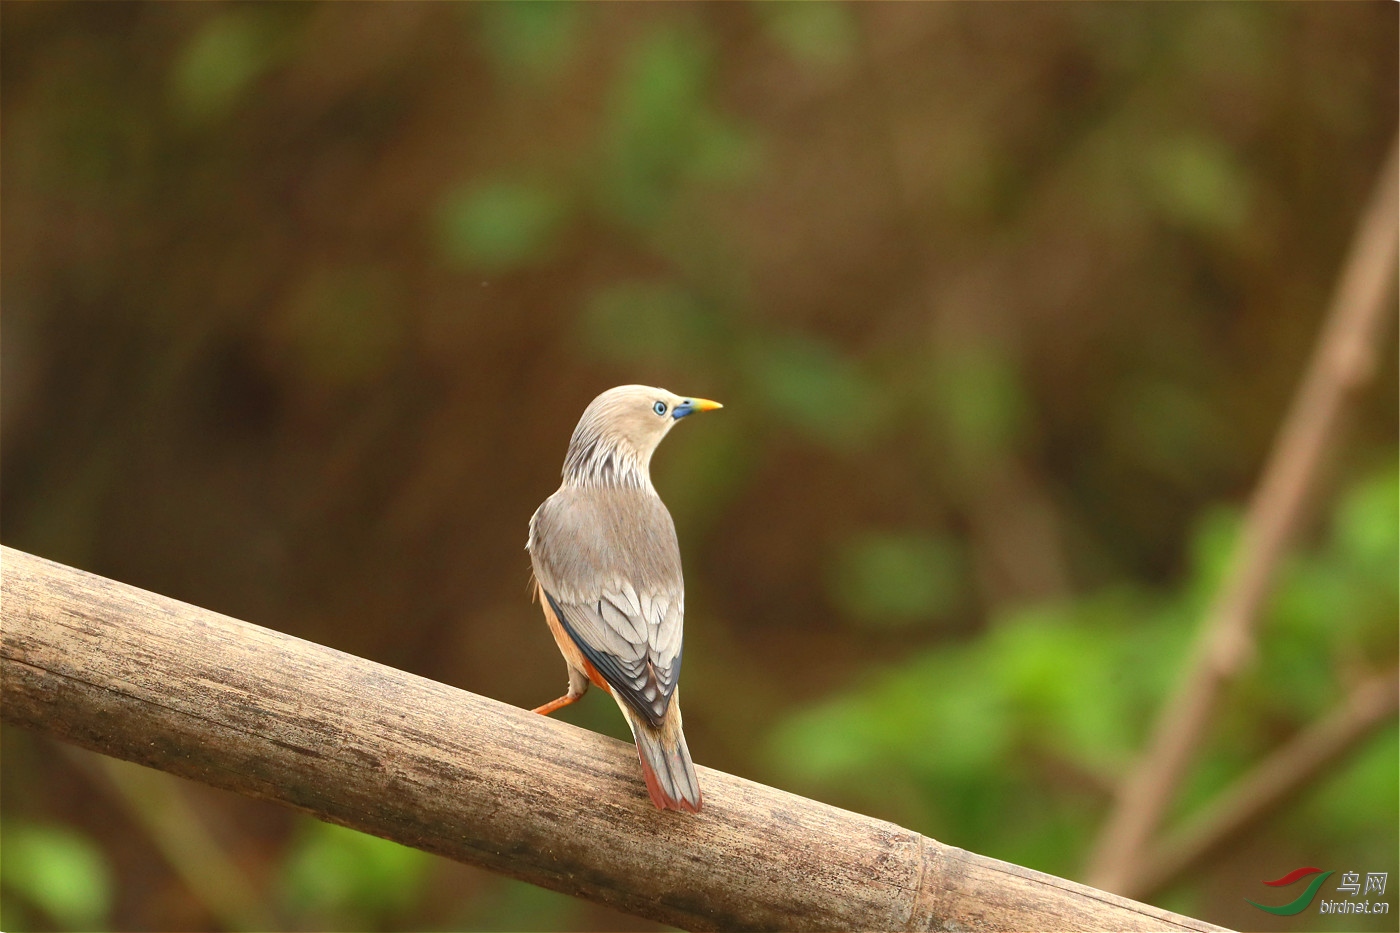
{"points": [[608, 577]]}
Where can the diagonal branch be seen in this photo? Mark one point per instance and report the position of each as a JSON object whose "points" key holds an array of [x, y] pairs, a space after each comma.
{"points": [[1273, 782], [169, 685], [1343, 362]]}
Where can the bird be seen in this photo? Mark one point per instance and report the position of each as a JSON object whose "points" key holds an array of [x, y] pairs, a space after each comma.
{"points": [[607, 575]]}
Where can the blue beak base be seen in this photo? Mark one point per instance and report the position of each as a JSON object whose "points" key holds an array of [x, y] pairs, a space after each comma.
{"points": [[692, 405]]}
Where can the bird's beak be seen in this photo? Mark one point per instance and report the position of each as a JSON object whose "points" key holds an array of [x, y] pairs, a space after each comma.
{"points": [[691, 405]]}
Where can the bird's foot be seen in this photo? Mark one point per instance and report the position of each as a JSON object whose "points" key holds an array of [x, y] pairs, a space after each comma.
{"points": [[560, 703]]}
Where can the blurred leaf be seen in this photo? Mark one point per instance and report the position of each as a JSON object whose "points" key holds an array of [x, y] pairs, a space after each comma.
{"points": [[821, 34], [806, 383], [1368, 525], [61, 872], [1362, 795], [935, 715], [219, 64], [982, 401], [723, 152], [342, 878], [498, 227], [1197, 182], [342, 326], [13, 915], [654, 322], [1212, 546], [1061, 669], [662, 131], [1334, 602], [896, 580], [1236, 40], [529, 38], [1076, 683], [514, 905]]}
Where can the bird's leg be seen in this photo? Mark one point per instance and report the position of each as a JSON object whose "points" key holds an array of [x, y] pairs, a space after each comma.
{"points": [[578, 686], [560, 703]]}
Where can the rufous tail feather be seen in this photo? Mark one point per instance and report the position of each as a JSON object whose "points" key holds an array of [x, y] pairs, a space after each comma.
{"points": [[666, 765]]}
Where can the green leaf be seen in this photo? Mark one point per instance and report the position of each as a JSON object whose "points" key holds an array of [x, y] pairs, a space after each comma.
{"points": [[346, 878], [508, 904], [498, 226], [981, 400], [819, 34], [897, 580], [60, 871], [937, 716], [1363, 795], [1213, 544], [1082, 716], [662, 131], [532, 39], [806, 383], [1196, 181], [219, 64], [1368, 525]]}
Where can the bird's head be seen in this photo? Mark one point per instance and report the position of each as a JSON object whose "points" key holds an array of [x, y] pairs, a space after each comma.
{"points": [[620, 429]]}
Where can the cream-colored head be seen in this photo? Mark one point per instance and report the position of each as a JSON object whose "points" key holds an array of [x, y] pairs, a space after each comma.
{"points": [[619, 431]]}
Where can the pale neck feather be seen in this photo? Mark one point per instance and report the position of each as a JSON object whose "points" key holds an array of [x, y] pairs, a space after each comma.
{"points": [[598, 461]]}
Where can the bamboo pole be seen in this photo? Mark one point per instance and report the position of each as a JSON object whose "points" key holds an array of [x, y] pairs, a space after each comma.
{"points": [[143, 677]]}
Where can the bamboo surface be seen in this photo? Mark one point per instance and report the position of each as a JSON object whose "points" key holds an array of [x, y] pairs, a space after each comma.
{"points": [[152, 680]]}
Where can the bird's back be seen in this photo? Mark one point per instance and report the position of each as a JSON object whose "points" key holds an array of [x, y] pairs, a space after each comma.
{"points": [[586, 539], [608, 561]]}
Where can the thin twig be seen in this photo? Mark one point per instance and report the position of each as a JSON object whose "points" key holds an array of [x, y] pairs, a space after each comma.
{"points": [[1273, 782], [1343, 362]]}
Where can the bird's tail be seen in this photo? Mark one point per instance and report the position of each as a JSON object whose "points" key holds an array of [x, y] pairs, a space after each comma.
{"points": [[665, 758]]}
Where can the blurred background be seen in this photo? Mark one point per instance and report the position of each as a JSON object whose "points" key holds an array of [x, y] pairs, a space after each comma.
{"points": [[1005, 304]]}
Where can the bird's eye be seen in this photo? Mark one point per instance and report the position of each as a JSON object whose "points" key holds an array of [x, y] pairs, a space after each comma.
{"points": [[659, 408]]}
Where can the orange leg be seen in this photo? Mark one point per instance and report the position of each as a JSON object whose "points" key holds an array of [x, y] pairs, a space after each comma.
{"points": [[560, 703]]}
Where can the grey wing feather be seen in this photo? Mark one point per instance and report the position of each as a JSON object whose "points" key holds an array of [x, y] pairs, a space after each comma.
{"points": [[609, 563]]}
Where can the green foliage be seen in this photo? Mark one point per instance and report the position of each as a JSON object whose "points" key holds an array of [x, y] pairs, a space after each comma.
{"points": [[219, 64], [1367, 533], [60, 871], [807, 383], [981, 730], [897, 580], [1366, 794], [339, 878], [515, 905], [978, 397], [1336, 606], [530, 39], [1197, 182], [662, 133], [498, 226], [819, 34]]}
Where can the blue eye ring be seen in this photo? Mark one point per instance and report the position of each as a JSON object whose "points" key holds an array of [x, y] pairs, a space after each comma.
{"points": [[659, 408]]}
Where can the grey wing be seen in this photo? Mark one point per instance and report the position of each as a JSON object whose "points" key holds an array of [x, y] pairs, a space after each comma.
{"points": [[610, 567]]}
